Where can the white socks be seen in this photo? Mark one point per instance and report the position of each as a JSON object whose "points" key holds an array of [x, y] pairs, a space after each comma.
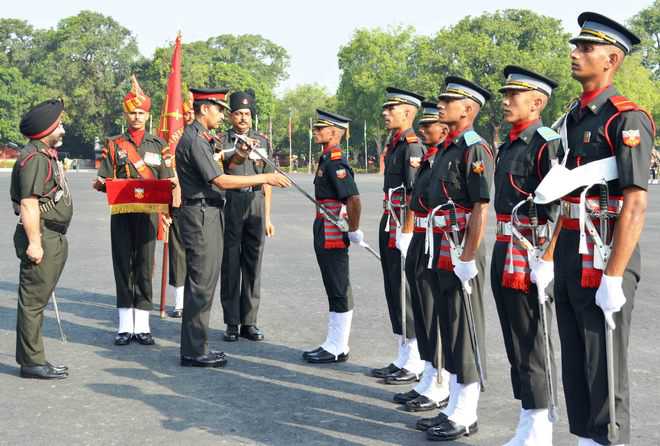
{"points": [[178, 296], [534, 429], [408, 355], [466, 402], [428, 385], [339, 331], [142, 321], [125, 320], [400, 360], [132, 320], [453, 395]]}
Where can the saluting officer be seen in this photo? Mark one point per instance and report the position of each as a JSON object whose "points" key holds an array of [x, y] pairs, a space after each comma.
{"points": [[176, 251], [201, 222], [334, 188], [428, 394], [522, 162], [402, 158], [462, 173], [139, 155], [593, 289], [247, 222], [41, 198]]}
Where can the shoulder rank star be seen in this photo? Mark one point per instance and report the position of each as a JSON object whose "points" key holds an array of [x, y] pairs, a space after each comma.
{"points": [[631, 138], [478, 167], [341, 173]]}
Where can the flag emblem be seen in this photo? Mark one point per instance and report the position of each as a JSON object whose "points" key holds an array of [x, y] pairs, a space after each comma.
{"points": [[478, 167], [341, 173], [139, 193]]}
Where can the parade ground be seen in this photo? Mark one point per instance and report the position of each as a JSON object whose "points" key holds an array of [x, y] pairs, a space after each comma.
{"points": [[138, 395]]}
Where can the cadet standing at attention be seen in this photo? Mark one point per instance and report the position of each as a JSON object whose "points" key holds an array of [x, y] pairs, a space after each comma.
{"points": [[334, 188]]}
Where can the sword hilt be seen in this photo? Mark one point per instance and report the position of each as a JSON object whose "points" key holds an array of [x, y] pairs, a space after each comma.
{"points": [[533, 221], [603, 198], [453, 221]]}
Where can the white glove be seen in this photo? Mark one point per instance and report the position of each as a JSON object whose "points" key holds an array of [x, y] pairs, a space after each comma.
{"points": [[403, 242], [466, 271], [542, 273], [610, 298], [356, 236]]}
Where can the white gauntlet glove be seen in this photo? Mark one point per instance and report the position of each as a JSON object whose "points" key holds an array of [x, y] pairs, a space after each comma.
{"points": [[356, 236], [403, 242], [610, 298], [542, 273], [466, 271]]}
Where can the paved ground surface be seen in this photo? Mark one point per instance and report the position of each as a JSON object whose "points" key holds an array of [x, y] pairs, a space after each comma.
{"points": [[267, 395]]}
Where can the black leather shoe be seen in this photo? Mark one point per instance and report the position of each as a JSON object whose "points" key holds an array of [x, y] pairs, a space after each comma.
{"points": [[428, 423], [231, 333], [58, 368], [42, 372], [422, 404], [403, 398], [252, 333], [306, 354], [123, 338], [325, 357], [217, 353], [208, 360], [144, 338], [449, 431], [384, 371], [176, 314], [403, 376]]}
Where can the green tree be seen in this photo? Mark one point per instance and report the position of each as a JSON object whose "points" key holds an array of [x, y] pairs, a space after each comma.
{"points": [[647, 26], [636, 82], [300, 103]]}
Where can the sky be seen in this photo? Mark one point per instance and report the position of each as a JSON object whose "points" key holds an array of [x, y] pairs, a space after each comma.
{"points": [[310, 33]]}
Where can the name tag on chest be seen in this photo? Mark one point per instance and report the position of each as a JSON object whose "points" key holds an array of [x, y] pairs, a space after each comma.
{"points": [[152, 159]]}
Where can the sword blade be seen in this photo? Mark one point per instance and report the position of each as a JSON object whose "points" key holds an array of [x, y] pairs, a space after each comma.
{"points": [[57, 317]]}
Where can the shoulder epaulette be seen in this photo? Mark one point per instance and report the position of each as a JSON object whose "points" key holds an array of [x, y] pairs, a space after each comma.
{"points": [[548, 134], [471, 137], [335, 155], [412, 138], [622, 103]]}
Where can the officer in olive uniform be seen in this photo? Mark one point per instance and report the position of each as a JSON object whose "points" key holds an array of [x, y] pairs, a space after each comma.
{"points": [[334, 188], [247, 220], [201, 221], [592, 289], [176, 251], [402, 158], [139, 155], [522, 162], [41, 198], [427, 394], [462, 172]]}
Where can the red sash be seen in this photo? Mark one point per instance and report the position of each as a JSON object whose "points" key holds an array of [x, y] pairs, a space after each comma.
{"points": [[332, 235], [134, 157]]}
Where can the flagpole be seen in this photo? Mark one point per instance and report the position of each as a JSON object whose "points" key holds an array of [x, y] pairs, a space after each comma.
{"points": [[290, 143], [366, 162], [309, 159]]}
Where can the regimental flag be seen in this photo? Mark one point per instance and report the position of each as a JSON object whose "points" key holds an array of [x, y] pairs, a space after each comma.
{"points": [[139, 196], [171, 118]]}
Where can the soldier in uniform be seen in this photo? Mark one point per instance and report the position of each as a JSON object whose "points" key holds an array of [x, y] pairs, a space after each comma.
{"points": [[522, 162], [428, 394], [592, 289], [201, 222], [462, 172], [402, 158], [247, 222], [334, 188], [176, 251], [41, 198], [139, 155]]}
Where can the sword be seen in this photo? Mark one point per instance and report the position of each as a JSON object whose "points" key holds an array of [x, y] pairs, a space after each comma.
{"points": [[400, 221], [341, 223], [553, 413], [57, 317], [612, 427], [466, 294]]}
